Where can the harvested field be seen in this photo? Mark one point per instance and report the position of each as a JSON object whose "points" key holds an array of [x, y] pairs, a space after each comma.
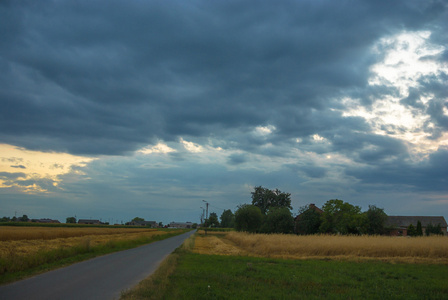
{"points": [[92, 238], [12, 233], [433, 249]]}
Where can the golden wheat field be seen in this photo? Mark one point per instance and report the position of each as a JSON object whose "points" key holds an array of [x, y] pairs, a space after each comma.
{"points": [[10, 233], [29, 240], [433, 249]]}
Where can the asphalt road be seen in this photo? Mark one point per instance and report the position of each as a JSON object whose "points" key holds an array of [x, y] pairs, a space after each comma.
{"points": [[99, 278]]}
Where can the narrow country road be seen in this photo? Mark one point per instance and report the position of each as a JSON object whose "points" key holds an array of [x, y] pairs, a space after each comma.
{"points": [[99, 278]]}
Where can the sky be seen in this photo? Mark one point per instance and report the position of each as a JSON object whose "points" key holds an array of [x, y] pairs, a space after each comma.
{"points": [[121, 109]]}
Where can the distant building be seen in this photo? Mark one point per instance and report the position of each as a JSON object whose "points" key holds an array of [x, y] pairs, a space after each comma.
{"points": [[44, 221], [152, 224], [313, 207], [88, 221], [399, 224], [180, 225]]}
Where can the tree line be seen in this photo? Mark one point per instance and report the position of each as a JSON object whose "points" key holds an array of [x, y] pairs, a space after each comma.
{"points": [[270, 212]]}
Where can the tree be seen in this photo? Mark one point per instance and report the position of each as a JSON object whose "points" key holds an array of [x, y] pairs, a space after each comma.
{"points": [[227, 219], [411, 230], [70, 220], [265, 199], [341, 217], [23, 218], [419, 230], [248, 218], [308, 221], [137, 219], [433, 229], [213, 220], [5, 219], [278, 220], [375, 219]]}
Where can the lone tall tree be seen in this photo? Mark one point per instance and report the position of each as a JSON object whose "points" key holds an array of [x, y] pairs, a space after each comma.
{"points": [[266, 199]]}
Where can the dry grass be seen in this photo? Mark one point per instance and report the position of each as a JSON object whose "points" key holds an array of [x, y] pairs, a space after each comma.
{"points": [[12, 233], [47, 238], [432, 249]]}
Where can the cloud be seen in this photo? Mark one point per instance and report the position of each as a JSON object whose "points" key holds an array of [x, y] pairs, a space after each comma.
{"points": [[236, 159], [19, 167], [184, 99], [181, 69]]}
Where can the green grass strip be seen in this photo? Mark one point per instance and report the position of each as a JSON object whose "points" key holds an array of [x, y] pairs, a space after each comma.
{"points": [[231, 277]]}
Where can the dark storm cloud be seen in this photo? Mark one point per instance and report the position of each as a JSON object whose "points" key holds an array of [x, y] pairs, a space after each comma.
{"points": [[427, 176], [90, 78]]}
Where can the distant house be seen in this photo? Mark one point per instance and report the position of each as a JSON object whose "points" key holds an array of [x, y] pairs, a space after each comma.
{"points": [[313, 207], [152, 224], [297, 227], [44, 221], [88, 221], [180, 225], [399, 224]]}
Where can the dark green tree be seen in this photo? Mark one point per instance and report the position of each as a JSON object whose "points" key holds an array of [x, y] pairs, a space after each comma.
{"points": [[137, 219], [23, 218], [248, 218], [341, 217], [411, 230], [265, 199], [278, 220], [308, 221], [5, 219], [70, 220], [213, 220], [227, 219], [375, 219], [419, 230], [433, 229]]}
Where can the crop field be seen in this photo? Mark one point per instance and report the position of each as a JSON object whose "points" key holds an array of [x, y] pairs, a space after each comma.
{"points": [[432, 249], [10, 233], [232, 265], [28, 240], [25, 248]]}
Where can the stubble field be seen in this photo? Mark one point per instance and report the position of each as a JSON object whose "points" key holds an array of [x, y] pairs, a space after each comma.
{"points": [[433, 249]]}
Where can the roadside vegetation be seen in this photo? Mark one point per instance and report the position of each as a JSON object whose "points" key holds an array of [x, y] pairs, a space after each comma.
{"points": [[26, 251]]}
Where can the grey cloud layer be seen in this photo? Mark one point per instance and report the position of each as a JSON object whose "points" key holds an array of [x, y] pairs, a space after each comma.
{"points": [[94, 79]]}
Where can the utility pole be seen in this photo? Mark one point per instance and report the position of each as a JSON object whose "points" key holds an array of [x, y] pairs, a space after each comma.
{"points": [[202, 216], [206, 216]]}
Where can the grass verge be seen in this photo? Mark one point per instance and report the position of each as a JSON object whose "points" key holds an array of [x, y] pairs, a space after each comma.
{"points": [[154, 287], [16, 267]]}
